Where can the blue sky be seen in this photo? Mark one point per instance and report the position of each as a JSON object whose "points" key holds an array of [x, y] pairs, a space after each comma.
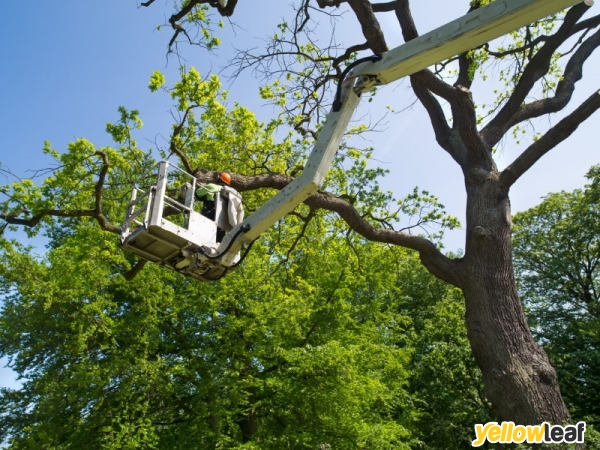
{"points": [[68, 65]]}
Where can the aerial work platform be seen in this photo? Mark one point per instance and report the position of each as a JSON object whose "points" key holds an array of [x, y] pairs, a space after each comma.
{"points": [[169, 231]]}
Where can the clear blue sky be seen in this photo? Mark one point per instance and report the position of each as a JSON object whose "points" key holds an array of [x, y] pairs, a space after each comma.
{"points": [[68, 65]]}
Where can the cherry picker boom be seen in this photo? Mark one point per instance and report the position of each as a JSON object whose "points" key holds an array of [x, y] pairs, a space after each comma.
{"points": [[191, 247]]}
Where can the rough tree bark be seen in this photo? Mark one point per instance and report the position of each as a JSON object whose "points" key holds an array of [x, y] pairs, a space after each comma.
{"points": [[518, 378]]}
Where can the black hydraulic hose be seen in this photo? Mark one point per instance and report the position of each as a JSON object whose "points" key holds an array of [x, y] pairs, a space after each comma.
{"points": [[243, 256], [243, 229], [217, 278], [337, 102]]}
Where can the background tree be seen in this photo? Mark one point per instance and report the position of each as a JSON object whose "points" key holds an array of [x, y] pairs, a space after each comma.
{"points": [[535, 86], [557, 256]]}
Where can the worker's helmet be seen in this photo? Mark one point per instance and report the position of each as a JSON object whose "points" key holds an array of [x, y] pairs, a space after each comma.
{"points": [[225, 178]]}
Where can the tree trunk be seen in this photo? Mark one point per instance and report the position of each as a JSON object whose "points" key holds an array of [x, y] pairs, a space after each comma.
{"points": [[249, 425], [519, 380]]}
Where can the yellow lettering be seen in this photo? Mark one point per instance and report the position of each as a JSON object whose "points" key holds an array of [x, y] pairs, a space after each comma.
{"points": [[519, 434], [494, 434], [535, 434], [503, 432], [481, 432], [507, 429]]}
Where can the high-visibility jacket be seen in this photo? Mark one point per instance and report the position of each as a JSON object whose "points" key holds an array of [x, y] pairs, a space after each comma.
{"points": [[235, 209], [208, 191]]}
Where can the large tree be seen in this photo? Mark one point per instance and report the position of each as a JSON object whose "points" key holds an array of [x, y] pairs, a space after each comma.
{"points": [[538, 81], [519, 380]]}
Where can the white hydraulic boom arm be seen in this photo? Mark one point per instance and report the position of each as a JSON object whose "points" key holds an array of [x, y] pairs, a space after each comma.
{"points": [[190, 252], [472, 30]]}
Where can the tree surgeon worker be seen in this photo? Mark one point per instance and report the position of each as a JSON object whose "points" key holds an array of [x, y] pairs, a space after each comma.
{"points": [[232, 202]]}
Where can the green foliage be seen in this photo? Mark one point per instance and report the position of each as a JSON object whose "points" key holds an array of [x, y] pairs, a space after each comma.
{"points": [[157, 80], [162, 362], [444, 376], [308, 344], [317, 348], [200, 21], [557, 256]]}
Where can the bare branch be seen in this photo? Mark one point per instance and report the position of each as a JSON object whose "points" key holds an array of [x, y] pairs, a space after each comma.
{"points": [[226, 10], [370, 25], [436, 116], [305, 16], [565, 87], [465, 123], [330, 3], [463, 109], [538, 67], [436, 262], [347, 54], [104, 223], [176, 133], [95, 213], [558, 133], [584, 25], [588, 24], [405, 18], [384, 7], [308, 72]]}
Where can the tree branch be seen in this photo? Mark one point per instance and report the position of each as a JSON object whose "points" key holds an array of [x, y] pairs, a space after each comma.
{"points": [[565, 87], [176, 133], [538, 67], [384, 7], [437, 117], [347, 54], [95, 213], [405, 18], [425, 83], [370, 25], [438, 264], [464, 64], [588, 24], [465, 61], [558, 133], [435, 261], [104, 223], [465, 124], [131, 274], [465, 121], [225, 8], [330, 3]]}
